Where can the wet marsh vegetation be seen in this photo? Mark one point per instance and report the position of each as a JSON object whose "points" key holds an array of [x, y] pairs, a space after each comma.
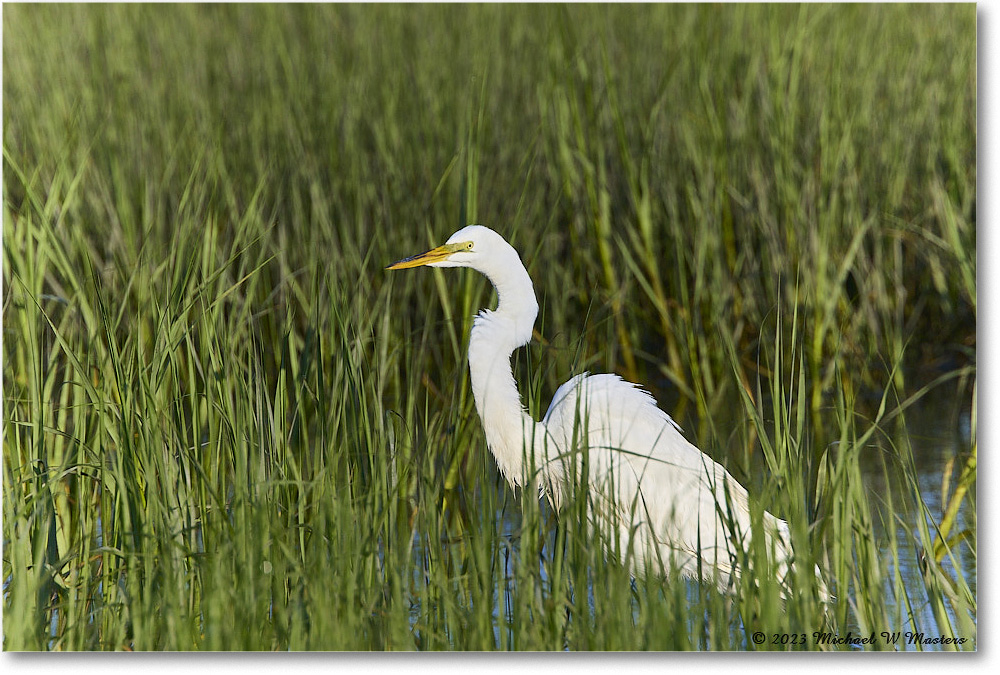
{"points": [[226, 427]]}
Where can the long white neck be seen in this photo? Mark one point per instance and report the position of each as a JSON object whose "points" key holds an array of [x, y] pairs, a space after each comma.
{"points": [[510, 432]]}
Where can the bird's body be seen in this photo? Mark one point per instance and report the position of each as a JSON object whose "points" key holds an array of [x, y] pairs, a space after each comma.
{"points": [[674, 507]]}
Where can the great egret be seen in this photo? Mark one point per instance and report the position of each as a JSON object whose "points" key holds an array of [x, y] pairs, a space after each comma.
{"points": [[671, 503]]}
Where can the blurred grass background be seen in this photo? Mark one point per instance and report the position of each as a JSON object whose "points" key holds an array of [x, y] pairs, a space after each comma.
{"points": [[225, 427]]}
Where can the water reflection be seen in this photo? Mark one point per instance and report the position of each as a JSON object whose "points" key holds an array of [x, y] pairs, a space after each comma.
{"points": [[938, 430]]}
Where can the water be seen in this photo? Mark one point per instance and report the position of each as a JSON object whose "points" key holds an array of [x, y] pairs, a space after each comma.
{"points": [[938, 428]]}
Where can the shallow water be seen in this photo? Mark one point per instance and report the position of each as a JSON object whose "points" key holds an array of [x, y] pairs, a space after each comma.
{"points": [[938, 428]]}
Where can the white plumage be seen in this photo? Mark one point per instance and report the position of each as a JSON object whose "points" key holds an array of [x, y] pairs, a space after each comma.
{"points": [[670, 503]]}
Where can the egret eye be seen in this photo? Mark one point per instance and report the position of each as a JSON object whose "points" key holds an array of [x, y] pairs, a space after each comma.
{"points": [[468, 246]]}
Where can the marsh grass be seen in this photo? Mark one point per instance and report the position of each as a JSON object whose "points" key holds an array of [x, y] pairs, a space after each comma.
{"points": [[226, 427]]}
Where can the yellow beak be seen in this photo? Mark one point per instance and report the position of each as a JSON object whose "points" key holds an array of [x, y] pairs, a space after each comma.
{"points": [[432, 256]]}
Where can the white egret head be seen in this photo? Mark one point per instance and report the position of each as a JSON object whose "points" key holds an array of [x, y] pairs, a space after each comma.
{"points": [[473, 246]]}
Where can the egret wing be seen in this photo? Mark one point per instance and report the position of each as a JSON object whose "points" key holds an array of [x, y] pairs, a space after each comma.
{"points": [[681, 502]]}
